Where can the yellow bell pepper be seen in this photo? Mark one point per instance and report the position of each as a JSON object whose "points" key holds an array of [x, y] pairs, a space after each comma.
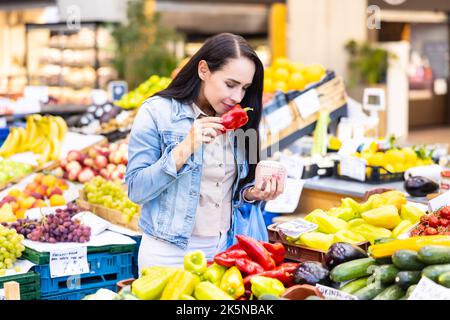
{"points": [[214, 274], [151, 285], [207, 291], [151, 270], [355, 206], [348, 236], [370, 232], [311, 217], [345, 214], [411, 213], [395, 197], [232, 283], [384, 217], [414, 243], [356, 222], [329, 224], [182, 282], [316, 240], [400, 228]]}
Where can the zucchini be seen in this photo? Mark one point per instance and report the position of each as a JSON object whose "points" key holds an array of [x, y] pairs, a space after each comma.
{"points": [[407, 260], [405, 279], [384, 260], [444, 279], [370, 291], [351, 270], [393, 292], [434, 254], [386, 273], [355, 285], [433, 272]]}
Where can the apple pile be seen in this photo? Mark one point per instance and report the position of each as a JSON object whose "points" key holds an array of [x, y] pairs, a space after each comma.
{"points": [[108, 161]]}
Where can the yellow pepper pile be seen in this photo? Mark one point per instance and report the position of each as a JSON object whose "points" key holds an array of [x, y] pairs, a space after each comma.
{"points": [[381, 216]]}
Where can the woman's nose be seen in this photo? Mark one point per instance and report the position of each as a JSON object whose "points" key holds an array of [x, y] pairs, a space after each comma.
{"points": [[236, 96]]}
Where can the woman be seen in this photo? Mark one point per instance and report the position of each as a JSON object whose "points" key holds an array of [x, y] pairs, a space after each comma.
{"points": [[189, 176]]}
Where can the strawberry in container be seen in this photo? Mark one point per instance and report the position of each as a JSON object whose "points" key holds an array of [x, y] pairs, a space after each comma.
{"points": [[434, 224]]}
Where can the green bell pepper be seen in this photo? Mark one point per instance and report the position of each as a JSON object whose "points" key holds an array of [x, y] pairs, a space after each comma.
{"points": [[214, 274], [195, 262]]}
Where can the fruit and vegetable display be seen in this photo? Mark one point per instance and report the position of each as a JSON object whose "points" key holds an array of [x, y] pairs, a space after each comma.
{"points": [[110, 194], [382, 215], [108, 161], [60, 226], [11, 170], [285, 75], [248, 270], [134, 99], [11, 247], [43, 135], [43, 191], [434, 223]]}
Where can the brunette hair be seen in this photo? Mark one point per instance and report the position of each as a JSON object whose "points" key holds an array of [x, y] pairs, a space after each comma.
{"points": [[216, 51]]}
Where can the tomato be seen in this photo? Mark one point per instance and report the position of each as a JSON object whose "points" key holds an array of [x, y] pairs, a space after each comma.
{"points": [[430, 231], [444, 222], [433, 222], [445, 212]]}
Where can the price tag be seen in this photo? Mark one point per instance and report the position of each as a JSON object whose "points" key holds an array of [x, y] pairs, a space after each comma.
{"points": [[295, 228], [334, 294], [287, 202], [97, 224], [439, 202], [429, 290], [293, 165], [308, 103], [353, 167], [68, 262], [279, 119]]}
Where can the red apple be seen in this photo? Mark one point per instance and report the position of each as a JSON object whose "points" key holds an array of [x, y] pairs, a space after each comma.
{"points": [[72, 165], [92, 153], [104, 173], [113, 147], [66, 175], [111, 167], [115, 175], [74, 155], [59, 172], [122, 168], [100, 162], [73, 174], [123, 147], [85, 175], [89, 162], [63, 163], [121, 176]]}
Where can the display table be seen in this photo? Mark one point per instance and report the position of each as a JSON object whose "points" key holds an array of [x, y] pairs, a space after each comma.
{"points": [[326, 193]]}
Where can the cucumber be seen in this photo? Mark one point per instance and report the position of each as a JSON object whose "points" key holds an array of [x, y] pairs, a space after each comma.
{"points": [[370, 291], [355, 285], [444, 279], [393, 292], [386, 273], [407, 260], [351, 270], [434, 254], [408, 292], [433, 272], [405, 279]]}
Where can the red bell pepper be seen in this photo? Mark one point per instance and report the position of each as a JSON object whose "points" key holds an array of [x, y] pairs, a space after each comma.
{"points": [[256, 251], [284, 273], [228, 258], [235, 118], [248, 266], [276, 250]]}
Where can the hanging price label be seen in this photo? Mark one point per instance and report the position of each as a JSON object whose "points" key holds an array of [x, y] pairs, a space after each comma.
{"points": [[68, 262], [279, 119], [353, 167], [293, 165], [429, 290], [295, 228], [334, 294], [308, 103]]}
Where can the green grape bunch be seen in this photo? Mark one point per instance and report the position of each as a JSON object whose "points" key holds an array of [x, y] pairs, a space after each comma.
{"points": [[11, 247]]}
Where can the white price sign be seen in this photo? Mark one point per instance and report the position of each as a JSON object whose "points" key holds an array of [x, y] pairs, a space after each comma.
{"points": [[287, 202], [334, 294], [295, 228], [279, 119], [353, 167], [68, 262], [439, 202], [308, 103], [293, 165], [429, 290]]}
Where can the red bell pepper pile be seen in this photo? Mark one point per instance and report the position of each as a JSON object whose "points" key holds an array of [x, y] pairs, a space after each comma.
{"points": [[258, 258]]}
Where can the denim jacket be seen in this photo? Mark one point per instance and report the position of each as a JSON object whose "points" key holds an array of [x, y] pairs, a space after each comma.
{"points": [[169, 198]]}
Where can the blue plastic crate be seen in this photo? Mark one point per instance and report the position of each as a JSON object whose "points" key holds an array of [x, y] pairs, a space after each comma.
{"points": [[3, 135], [106, 269], [79, 294], [135, 267]]}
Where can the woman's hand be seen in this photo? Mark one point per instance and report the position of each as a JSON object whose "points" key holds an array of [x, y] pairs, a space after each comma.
{"points": [[268, 189], [203, 130]]}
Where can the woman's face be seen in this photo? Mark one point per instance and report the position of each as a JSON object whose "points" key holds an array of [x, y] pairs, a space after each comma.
{"points": [[226, 87]]}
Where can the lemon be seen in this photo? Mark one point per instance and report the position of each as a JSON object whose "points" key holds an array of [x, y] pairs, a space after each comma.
{"points": [[377, 159], [268, 72], [410, 154], [268, 85], [394, 156], [296, 81], [389, 167], [334, 143], [373, 147], [281, 62], [399, 167], [313, 73], [281, 85], [281, 74], [297, 67]]}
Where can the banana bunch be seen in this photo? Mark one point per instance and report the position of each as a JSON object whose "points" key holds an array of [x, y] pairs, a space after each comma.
{"points": [[42, 135]]}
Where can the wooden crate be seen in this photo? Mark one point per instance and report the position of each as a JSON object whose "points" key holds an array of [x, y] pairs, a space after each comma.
{"points": [[111, 215], [301, 253]]}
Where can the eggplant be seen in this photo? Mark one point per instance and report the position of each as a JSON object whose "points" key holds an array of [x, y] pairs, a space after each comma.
{"points": [[419, 186], [312, 273], [340, 252]]}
